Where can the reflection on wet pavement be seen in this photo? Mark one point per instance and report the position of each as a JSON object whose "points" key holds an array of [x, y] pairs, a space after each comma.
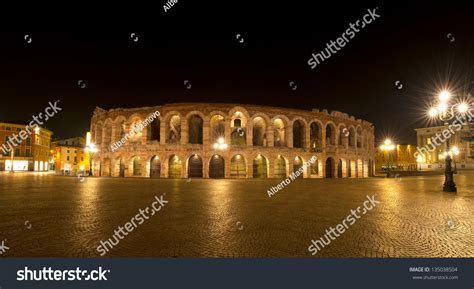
{"points": [[236, 218]]}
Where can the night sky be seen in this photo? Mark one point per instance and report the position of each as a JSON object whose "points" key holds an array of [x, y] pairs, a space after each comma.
{"points": [[197, 41]]}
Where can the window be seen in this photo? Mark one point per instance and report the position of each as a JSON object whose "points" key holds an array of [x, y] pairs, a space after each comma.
{"points": [[75, 159], [68, 151], [75, 151], [27, 153], [7, 138], [9, 128], [28, 141], [67, 143], [82, 159], [67, 158], [17, 152], [18, 129]]}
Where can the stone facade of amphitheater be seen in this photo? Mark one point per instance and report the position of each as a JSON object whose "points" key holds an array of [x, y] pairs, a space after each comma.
{"points": [[192, 140]]}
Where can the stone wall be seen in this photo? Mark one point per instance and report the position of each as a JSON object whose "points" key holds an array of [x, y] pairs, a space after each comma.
{"points": [[265, 139]]}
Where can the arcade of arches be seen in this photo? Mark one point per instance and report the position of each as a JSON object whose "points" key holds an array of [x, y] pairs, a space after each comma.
{"points": [[260, 142]]}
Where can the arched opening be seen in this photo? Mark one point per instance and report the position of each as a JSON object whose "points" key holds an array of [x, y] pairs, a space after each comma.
{"points": [[195, 125], [96, 167], [371, 168], [349, 170], [120, 128], [339, 169], [107, 133], [365, 170], [136, 130], [155, 167], [238, 167], [330, 134], [359, 137], [298, 164], [195, 166], [98, 134], [216, 167], [279, 136], [315, 137], [353, 167], [343, 133], [259, 132], [217, 127], [119, 168], [136, 166], [107, 170], [238, 134], [352, 137], [173, 129], [298, 134], [360, 169], [280, 168], [314, 168], [154, 130], [329, 167], [174, 167], [260, 167]]}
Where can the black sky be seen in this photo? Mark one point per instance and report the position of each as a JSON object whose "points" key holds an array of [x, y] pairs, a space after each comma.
{"points": [[196, 41]]}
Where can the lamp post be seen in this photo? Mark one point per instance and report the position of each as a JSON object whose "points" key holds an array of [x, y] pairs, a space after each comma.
{"points": [[387, 147], [454, 151], [91, 149], [446, 112], [220, 144], [419, 160]]}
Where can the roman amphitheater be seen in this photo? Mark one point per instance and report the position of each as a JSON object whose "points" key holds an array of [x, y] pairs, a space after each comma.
{"points": [[205, 140]]}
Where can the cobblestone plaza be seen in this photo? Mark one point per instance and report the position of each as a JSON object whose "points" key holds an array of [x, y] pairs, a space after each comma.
{"points": [[53, 216]]}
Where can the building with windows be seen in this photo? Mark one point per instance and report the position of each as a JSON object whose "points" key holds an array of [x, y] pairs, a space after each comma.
{"points": [[31, 154], [194, 140], [400, 159], [432, 156], [69, 156]]}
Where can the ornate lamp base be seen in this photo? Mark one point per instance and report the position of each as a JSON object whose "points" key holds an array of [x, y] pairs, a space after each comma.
{"points": [[449, 185]]}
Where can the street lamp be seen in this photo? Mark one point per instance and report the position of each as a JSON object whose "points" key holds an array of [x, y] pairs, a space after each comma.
{"points": [[387, 147], [446, 112], [91, 149], [454, 151], [220, 144], [419, 160]]}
